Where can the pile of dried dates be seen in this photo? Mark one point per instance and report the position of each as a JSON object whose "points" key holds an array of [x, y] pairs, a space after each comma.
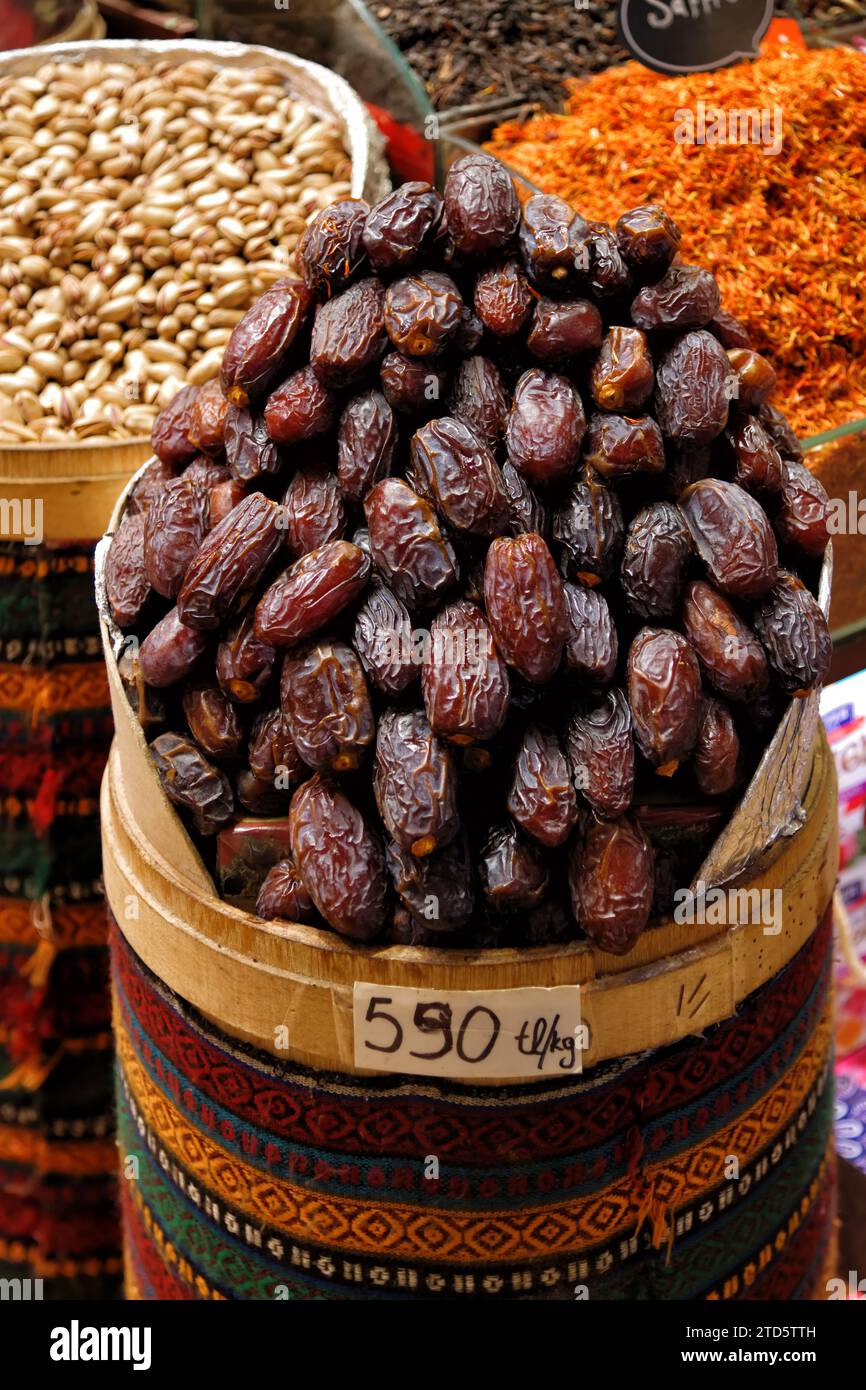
{"points": [[470, 594]]}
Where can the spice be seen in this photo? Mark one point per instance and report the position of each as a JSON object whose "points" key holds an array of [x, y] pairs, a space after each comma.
{"points": [[469, 50], [782, 232], [143, 208]]}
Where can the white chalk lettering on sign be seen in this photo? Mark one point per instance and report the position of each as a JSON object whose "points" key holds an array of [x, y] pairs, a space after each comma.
{"points": [[469, 1033]]}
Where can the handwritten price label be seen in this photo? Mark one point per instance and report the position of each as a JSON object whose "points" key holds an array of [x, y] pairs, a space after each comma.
{"points": [[467, 1034]]}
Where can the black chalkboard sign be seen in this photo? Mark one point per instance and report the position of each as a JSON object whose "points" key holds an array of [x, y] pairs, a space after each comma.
{"points": [[693, 35]]}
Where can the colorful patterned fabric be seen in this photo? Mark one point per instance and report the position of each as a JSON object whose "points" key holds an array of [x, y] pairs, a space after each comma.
{"points": [[851, 1108], [702, 1170], [58, 1217]]}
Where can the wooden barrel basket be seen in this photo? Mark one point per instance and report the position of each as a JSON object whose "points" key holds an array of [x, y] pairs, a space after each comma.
{"points": [[57, 1156], [692, 1157]]}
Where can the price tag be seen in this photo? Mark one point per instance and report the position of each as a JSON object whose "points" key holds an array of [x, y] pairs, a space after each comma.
{"points": [[467, 1034]]}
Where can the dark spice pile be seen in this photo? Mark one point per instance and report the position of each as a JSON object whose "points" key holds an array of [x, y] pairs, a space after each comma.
{"points": [[480, 572], [471, 50]]}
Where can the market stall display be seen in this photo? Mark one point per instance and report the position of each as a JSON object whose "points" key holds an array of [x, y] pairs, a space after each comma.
{"points": [[492, 679]]}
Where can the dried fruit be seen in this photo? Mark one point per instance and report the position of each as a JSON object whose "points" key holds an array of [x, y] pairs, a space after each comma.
{"points": [[300, 409], [732, 536], [622, 374], [611, 879], [311, 593], [802, 519], [175, 527], [648, 239], [415, 782], [664, 694], [541, 797], [512, 872], [563, 328], [794, 634], [257, 351], [170, 435], [694, 386], [314, 511], [326, 705], [731, 657], [618, 447], [525, 605], [591, 645], [339, 859], [366, 441], [758, 465], [273, 754], [331, 249], [436, 889], [755, 378], [283, 895], [208, 418], [423, 312], [413, 385], [478, 398], [230, 563], [403, 226], [481, 206], [244, 663], [464, 679], [212, 719], [685, 297], [460, 477], [658, 547], [407, 544], [170, 651], [127, 586], [589, 527], [503, 299], [192, 783], [600, 748], [545, 427], [250, 451], [717, 751]]}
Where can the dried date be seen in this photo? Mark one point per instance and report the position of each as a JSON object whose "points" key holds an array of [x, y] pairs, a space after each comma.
{"points": [[758, 464], [794, 634], [694, 387], [512, 872], [619, 446], [464, 679], [385, 641], [244, 663], [413, 385], [127, 586], [212, 719], [503, 299], [755, 377], [436, 889], [589, 527], [272, 752], [525, 605], [208, 419], [685, 297], [283, 895], [257, 353], [192, 783], [170, 651], [658, 547], [732, 537], [478, 398], [423, 313], [460, 476], [731, 657], [545, 427], [612, 880], [802, 519], [366, 441], [314, 511], [716, 759], [562, 329], [331, 249], [403, 226], [349, 333], [664, 694], [541, 797], [250, 451], [339, 859], [300, 409], [311, 593], [591, 646], [174, 529], [407, 544], [230, 563], [622, 377], [600, 747], [648, 240], [415, 783], [326, 705], [170, 435], [481, 206]]}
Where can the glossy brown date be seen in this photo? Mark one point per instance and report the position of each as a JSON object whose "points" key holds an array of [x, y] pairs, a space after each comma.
{"points": [[423, 313], [664, 694], [562, 329], [300, 409], [223, 498], [755, 377], [437, 889], [283, 895], [403, 226], [503, 299], [413, 386], [546, 248], [590, 529], [384, 640], [311, 593], [244, 663], [272, 752], [716, 759], [694, 388], [526, 511], [803, 515], [732, 536], [464, 679], [611, 878], [460, 477], [170, 651], [794, 634], [170, 435], [685, 297], [257, 352], [326, 705], [230, 563], [512, 872], [415, 783], [366, 440], [541, 797], [591, 646], [481, 206], [731, 657], [250, 451], [340, 860], [127, 586], [478, 398], [407, 544], [622, 374], [314, 511], [545, 427], [212, 719], [648, 239], [208, 419], [619, 446], [525, 605], [658, 547], [174, 530], [758, 464], [349, 333], [600, 747], [192, 783], [331, 249]]}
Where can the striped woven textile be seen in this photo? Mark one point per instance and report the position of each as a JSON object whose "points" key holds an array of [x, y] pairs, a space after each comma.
{"points": [[704, 1170], [58, 1213]]}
